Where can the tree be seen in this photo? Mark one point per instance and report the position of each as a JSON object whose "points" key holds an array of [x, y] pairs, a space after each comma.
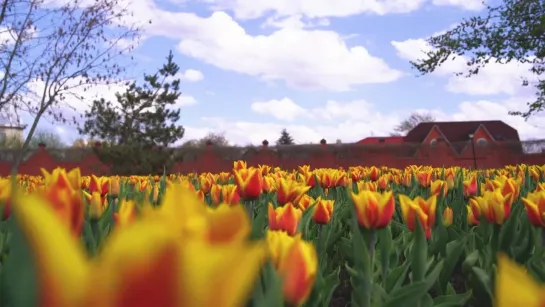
{"points": [[217, 139], [511, 31], [142, 118], [412, 121], [50, 139], [285, 138], [54, 48]]}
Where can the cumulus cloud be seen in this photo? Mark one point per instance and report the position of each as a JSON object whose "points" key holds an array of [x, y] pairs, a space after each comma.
{"points": [[250, 9], [493, 79], [353, 120]]}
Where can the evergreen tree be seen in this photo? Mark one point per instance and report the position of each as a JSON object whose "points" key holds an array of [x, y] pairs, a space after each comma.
{"points": [[143, 118], [285, 138]]}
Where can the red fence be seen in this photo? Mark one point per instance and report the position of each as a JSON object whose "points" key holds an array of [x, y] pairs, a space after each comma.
{"points": [[217, 159]]}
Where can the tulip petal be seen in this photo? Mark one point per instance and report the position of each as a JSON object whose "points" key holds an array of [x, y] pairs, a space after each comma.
{"points": [[207, 267], [514, 287], [139, 266], [60, 262]]}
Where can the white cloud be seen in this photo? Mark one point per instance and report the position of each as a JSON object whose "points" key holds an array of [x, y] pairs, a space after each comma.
{"points": [[287, 110], [295, 22], [495, 78], [302, 58], [191, 75], [185, 101], [352, 121], [79, 98], [470, 5], [284, 109], [316, 59], [251, 9]]}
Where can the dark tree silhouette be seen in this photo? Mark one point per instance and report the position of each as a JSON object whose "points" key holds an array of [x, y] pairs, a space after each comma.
{"points": [[285, 138], [142, 119]]}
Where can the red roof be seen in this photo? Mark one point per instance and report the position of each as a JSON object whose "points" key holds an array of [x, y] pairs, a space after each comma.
{"points": [[381, 140]]}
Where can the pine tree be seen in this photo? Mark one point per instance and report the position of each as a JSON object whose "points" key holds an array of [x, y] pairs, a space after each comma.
{"points": [[285, 138], [144, 117]]}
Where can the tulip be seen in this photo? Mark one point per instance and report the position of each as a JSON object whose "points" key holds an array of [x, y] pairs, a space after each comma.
{"points": [[269, 184], [100, 185], [114, 186], [215, 194], [5, 194], [374, 209], [284, 218], [182, 209], [494, 206], [305, 201], [535, 208], [229, 193], [67, 204], [470, 186], [290, 191], [143, 264], [439, 188], [373, 174], [239, 165], [206, 182], [383, 182], [296, 262], [249, 183], [515, 287], [424, 178], [421, 209], [126, 213], [447, 216], [323, 211], [63, 179], [97, 204], [298, 271], [473, 214]]}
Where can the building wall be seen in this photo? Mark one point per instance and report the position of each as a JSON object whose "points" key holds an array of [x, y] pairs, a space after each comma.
{"points": [[11, 133], [317, 156]]}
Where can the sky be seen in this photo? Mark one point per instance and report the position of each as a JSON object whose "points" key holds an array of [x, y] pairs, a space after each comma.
{"points": [[338, 70]]}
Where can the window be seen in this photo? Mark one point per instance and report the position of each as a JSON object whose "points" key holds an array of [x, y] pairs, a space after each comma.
{"points": [[481, 141], [3, 136], [433, 142]]}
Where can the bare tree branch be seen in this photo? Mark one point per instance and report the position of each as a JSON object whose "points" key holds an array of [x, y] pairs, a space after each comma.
{"points": [[48, 51]]}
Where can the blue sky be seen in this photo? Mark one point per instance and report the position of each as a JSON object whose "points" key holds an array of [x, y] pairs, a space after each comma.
{"points": [[321, 69]]}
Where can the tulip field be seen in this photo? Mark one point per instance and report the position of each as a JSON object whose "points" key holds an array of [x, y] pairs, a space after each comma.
{"points": [[263, 236]]}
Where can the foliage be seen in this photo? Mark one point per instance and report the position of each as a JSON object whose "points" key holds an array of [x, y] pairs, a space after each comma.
{"points": [[364, 254], [216, 139], [50, 139], [412, 121], [56, 50], [285, 138], [512, 31], [143, 117]]}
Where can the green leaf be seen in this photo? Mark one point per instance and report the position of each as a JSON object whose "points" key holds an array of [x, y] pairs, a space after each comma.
{"points": [[19, 278], [397, 276], [419, 256], [271, 295], [454, 251], [454, 300], [413, 293]]}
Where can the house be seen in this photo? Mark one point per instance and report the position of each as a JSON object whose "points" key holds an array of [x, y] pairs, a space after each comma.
{"points": [[8, 132], [458, 135], [381, 140]]}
